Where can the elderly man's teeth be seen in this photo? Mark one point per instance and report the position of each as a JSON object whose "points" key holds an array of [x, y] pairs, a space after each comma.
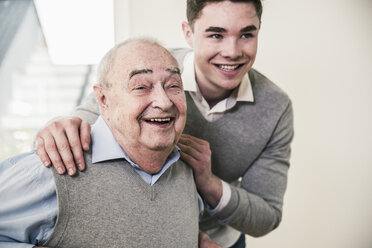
{"points": [[160, 120], [228, 67]]}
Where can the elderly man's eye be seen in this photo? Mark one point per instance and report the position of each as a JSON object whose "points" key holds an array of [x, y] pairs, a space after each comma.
{"points": [[174, 85], [141, 87]]}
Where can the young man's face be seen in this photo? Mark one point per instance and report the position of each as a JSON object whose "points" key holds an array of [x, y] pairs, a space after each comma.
{"points": [[224, 39]]}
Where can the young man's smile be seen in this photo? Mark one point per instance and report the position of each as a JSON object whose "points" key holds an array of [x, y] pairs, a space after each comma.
{"points": [[224, 39], [229, 70]]}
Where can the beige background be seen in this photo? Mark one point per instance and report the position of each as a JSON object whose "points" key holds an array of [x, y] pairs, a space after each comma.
{"points": [[320, 53]]}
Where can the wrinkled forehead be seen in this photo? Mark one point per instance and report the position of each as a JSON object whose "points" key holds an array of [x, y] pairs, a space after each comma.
{"points": [[138, 58], [145, 54]]}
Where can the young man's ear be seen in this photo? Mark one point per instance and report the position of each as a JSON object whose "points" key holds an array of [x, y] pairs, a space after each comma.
{"points": [[187, 33], [101, 98]]}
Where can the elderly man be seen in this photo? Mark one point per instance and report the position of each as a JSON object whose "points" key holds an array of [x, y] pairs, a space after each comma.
{"points": [[239, 124], [135, 192]]}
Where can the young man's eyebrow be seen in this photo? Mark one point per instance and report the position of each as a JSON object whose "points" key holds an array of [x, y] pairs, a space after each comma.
{"points": [[216, 30], [174, 70], [248, 29], [222, 30], [142, 71]]}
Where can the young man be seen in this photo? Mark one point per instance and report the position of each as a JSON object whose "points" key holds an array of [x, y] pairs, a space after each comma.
{"points": [[135, 191], [239, 124]]}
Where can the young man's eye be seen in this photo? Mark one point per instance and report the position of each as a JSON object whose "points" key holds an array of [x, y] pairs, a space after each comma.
{"points": [[245, 36], [216, 36]]}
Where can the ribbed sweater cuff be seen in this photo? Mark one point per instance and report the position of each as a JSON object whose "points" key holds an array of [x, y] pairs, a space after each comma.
{"points": [[225, 214]]}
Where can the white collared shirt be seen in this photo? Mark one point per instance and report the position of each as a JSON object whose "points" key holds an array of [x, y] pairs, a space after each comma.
{"points": [[242, 93], [105, 147]]}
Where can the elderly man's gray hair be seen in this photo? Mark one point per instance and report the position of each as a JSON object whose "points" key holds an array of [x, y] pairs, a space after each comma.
{"points": [[105, 66]]}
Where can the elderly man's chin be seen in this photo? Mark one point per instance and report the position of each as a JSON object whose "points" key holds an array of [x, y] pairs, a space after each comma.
{"points": [[162, 143], [161, 137]]}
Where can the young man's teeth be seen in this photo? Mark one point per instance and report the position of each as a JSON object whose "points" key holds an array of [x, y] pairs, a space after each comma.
{"points": [[160, 120], [228, 67]]}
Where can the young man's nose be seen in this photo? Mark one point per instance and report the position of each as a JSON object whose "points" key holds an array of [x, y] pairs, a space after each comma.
{"points": [[231, 49]]}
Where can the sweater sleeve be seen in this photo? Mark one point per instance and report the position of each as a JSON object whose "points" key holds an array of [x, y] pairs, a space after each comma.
{"points": [[88, 110], [255, 208]]}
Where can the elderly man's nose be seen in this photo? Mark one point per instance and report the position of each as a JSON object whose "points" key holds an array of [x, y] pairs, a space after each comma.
{"points": [[161, 99]]}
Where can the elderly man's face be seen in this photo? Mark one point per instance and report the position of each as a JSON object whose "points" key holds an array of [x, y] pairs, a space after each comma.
{"points": [[146, 103]]}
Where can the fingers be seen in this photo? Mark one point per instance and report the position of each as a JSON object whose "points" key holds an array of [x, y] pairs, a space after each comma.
{"points": [[40, 150], [59, 143], [85, 135], [186, 157], [74, 144], [62, 141], [196, 153], [206, 242], [197, 148], [47, 151], [186, 138], [67, 139], [52, 151]]}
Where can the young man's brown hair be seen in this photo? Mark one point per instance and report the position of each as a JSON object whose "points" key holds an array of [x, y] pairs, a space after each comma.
{"points": [[194, 7]]}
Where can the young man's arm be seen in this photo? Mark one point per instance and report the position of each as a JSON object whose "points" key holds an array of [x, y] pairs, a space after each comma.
{"points": [[62, 141], [197, 153], [254, 208]]}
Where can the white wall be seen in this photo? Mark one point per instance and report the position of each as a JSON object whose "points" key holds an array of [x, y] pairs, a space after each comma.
{"points": [[320, 52], [76, 32], [161, 19]]}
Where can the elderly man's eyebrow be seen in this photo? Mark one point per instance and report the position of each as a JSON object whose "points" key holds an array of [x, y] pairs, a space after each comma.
{"points": [[142, 71], [174, 70]]}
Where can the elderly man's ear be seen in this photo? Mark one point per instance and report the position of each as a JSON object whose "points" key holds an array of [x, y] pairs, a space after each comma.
{"points": [[101, 98]]}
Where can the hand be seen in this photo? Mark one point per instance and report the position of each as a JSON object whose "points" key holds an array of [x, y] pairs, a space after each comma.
{"points": [[61, 142], [206, 242], [197, 153]]}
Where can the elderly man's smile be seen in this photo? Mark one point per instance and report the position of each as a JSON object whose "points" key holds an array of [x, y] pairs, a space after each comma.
{"points": [[162, 122]]}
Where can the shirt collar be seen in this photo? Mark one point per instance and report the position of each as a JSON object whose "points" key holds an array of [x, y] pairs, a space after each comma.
{"points": [[105, 147], [245, 92]]}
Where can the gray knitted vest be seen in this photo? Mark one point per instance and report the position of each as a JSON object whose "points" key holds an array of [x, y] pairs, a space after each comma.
{"points": [[239, 137], [109, 205]]}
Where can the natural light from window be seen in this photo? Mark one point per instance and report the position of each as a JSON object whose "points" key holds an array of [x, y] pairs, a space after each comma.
{"points": [[77, 32]]}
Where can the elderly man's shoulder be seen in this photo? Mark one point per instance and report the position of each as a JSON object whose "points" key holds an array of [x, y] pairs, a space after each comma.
{"points": [[28, 164]]}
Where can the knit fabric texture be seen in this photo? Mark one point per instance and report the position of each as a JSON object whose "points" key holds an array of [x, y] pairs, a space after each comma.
{"points": [[109, 205], [250, 147]]}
